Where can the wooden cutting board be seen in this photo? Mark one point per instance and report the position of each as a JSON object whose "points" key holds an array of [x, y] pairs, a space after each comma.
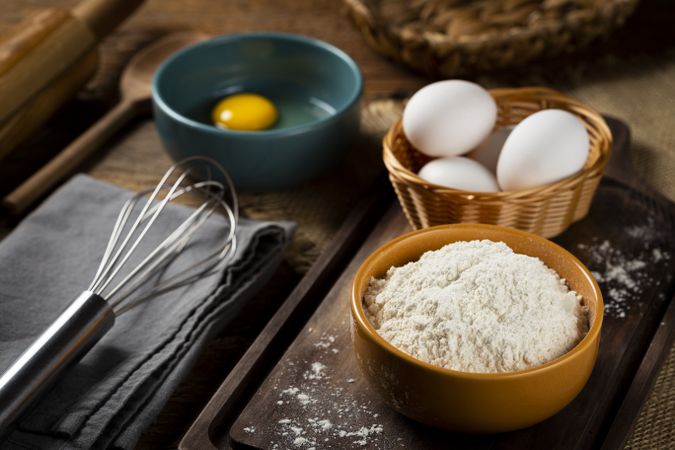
{"points": [[316, 398]]}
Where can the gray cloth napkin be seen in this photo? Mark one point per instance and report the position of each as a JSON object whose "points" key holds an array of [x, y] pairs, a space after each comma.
{"points": [[117, 389]]}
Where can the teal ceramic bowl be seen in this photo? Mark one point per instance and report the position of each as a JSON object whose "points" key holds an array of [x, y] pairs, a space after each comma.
{"points": [[315, 86]]}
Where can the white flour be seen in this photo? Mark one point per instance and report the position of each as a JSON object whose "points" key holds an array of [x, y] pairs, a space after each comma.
{"points": [[324, 411], [623, 276], [478, 307]]}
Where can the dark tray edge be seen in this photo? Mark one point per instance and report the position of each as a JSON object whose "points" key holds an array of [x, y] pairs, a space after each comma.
{"points": [[232, 395], [621, 425]]}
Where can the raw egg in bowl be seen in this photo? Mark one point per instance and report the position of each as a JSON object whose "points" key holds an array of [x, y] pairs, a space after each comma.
{"points": [[274, 109]]}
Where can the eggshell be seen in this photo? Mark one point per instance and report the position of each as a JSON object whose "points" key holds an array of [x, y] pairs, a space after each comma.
{"points": [[545, 147], [458, 172], [487, 153], [449, 118]]}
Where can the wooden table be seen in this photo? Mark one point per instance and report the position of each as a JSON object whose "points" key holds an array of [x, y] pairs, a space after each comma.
{"points": [[135, 158], [324, 19], [128, 161]]}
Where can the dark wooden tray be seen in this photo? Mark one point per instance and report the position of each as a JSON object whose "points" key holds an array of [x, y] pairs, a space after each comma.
{"points": [[315, 397]]}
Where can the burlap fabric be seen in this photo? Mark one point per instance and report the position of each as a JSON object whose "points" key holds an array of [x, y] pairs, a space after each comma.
{"points": [[654, 428], [644, 97]]}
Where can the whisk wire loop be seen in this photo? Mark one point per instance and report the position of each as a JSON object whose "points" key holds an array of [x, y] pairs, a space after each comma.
{"points": [[125, 239], [115, 267], [170, 246]]}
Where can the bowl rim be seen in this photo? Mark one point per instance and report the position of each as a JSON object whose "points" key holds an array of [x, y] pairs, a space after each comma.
{"points": [[362, 322], [356, 93]]}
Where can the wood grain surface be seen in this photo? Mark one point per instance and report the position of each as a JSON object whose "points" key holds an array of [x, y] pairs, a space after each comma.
{"points": [[225, 405], [134, 158], [323, 19]]}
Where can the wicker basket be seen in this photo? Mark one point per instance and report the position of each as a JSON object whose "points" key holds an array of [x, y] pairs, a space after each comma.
{"points": [[455, 37], [546, 210]]}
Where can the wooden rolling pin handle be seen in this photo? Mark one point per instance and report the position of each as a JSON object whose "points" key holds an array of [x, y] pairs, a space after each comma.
{"points": [[103, 16], [72, 156], [41, 62]]}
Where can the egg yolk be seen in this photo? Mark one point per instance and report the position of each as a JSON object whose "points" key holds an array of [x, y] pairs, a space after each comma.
{"points": [[244, 112]]}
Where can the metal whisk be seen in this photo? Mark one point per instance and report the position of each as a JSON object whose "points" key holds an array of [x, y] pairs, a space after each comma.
{"points": [[121, 283]]}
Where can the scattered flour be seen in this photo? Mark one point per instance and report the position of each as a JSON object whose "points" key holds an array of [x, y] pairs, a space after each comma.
{"points": [[658, 255], [322, 433], [316, 372], [294, 392], [321, 412], [362, 434], [323, 424], [326, 341], [477, 306], [644, 231], [304, 399], [622, 276], [291, 391]]}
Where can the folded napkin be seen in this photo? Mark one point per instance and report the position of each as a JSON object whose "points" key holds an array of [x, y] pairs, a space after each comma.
{"points": [[117, 389]]}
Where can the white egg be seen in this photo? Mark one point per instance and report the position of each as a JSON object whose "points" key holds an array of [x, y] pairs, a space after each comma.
{"points": [[449, 118], [545, 147], [457, 172], [487, 152]]}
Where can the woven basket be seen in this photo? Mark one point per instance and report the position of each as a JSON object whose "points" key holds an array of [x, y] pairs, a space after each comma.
{"points": [[546, 210], [455, 37]]}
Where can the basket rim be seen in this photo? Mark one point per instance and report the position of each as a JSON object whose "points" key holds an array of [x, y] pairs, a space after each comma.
{"points": [[596, 169], [433, 38]]}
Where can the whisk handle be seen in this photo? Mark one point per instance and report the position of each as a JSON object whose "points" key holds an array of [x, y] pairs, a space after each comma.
{"points": [[66, 340]]}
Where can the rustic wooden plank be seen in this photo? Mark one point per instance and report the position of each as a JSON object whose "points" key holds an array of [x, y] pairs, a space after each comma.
{"points": [[224, 406]]}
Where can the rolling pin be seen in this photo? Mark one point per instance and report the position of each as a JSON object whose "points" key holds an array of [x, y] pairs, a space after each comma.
{"points": [[47, 58]]}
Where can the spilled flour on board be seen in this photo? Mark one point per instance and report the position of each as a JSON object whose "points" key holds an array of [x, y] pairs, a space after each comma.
{"points": [[622, 276], [316, 372], [320, 411], [318, 402]]}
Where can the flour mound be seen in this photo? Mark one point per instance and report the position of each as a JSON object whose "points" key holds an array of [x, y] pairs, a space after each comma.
{"points": [[476, 306]]}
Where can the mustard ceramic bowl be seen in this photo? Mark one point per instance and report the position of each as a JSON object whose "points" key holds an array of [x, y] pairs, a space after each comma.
{"points": [[474, 402]]}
